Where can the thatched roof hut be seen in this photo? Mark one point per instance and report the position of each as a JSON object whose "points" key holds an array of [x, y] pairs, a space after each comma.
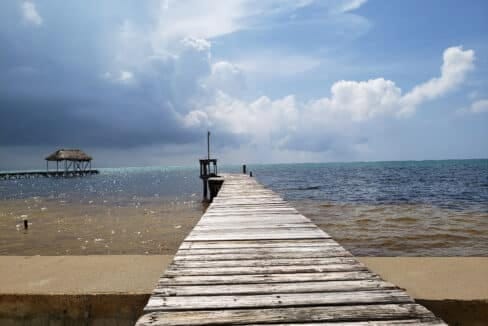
{"points": [[69, 155]]}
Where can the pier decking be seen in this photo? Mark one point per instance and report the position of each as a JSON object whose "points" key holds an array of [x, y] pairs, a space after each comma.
{"points": [[253, 259]]}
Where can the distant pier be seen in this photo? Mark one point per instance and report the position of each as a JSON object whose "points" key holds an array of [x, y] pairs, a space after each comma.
{"points": [[47, 174], [74, 163]]}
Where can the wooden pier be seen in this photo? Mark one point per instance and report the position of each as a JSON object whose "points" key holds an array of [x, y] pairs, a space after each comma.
{"points": [[253, 259], [47, 174]]}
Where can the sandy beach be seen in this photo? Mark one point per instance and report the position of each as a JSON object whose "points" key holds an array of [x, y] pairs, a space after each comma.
{"points": [[115, 288]]}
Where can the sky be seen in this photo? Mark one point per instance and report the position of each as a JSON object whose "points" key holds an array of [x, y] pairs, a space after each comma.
{"points": [[138, 83]]}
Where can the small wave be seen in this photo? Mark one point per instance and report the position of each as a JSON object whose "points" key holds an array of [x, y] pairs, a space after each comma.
{"points": [[364, 220], [327, 205], [405, 219], [302, 188]]}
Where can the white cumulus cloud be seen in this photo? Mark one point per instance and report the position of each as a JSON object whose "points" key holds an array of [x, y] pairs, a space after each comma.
{"points": [[286, 121], [30, 13], [227, 77], [457, 63]]}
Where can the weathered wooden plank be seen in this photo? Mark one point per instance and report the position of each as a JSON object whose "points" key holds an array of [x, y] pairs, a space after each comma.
{"points": [[257, 234], [287, 315], [264, 262], [266, 278], [251, 216], [275, 300], [252, 206], [251, 212], [269, 200], [255, 226], [223, 196], [236, 221], [405, 322], [258, 209], [257, 244], [244, 230], [270, 250], [181, 270], [263, 288], [263, 255]]}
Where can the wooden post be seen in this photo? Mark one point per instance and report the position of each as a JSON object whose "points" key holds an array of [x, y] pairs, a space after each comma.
{"points": [[205, 189], [47, 166], [244, 169], [250, 174], [26, 224]]}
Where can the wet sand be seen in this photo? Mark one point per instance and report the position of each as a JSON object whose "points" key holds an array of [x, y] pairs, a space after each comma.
{"points": [[433, 278], [127, 274]]}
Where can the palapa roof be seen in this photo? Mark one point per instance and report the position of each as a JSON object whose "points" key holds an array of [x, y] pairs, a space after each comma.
{"points": [[68, 155]]}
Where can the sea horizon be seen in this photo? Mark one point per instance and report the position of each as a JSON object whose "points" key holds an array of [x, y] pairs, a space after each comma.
{"points": [[248, 164]]}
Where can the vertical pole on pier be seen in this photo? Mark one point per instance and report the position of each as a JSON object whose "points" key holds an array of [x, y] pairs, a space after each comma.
{"points": [[47, 166], [244, 169], [208, 145]]}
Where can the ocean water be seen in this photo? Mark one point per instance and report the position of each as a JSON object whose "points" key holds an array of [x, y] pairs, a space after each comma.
{"points": [[119, 211], [411, 208]]}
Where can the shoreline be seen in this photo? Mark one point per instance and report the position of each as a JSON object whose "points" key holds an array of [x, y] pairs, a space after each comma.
{"points": [[115, 288]]}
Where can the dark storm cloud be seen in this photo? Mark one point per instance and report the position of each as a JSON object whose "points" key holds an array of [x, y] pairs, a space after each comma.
{"points": [[33, 121], [52, 106], [52, 90]]}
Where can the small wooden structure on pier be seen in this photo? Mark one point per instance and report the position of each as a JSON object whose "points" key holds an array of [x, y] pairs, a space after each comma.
{"points": [[208, 174], [75, 160], [252, 259]]}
